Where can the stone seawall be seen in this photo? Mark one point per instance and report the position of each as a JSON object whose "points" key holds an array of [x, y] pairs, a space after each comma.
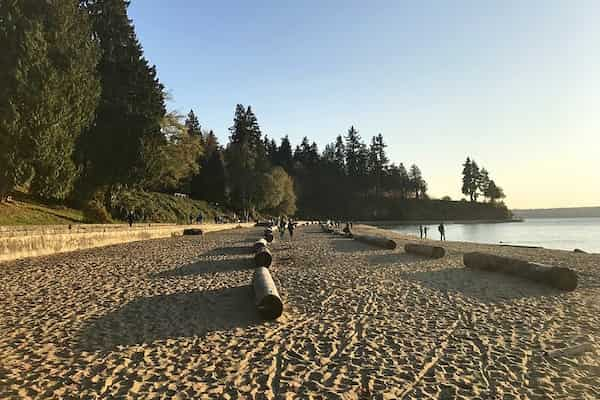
{"points": [[32, 241]]}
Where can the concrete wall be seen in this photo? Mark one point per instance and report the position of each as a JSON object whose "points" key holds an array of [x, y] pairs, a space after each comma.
{"points": [[32, 241]]}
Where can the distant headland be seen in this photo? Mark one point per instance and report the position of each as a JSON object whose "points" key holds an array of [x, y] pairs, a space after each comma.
{"points": [[574, 212]]}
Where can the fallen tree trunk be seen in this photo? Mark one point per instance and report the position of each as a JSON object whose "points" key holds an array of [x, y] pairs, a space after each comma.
{"points": [[376, 241], [425, 250], [268, 234], [558, 277], [258, 245], [268, 302], [263, 257], [192, 232]]}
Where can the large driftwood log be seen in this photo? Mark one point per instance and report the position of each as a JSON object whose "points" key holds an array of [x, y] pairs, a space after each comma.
{"points": [[192, 232], [263, 257], [425, 250], [558, 277], [376, 241], [258, 245], [268, 234], [268, 302]]}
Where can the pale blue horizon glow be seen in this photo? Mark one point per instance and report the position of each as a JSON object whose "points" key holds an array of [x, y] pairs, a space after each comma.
{"points": [[513, 84]]}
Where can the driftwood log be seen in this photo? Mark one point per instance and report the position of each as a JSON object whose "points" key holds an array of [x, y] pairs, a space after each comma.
{"points": [[263, 257], [376, 241], [268, 302], [268, 234], [425, 250], [192, 232], [258, 245], [558, 277]]}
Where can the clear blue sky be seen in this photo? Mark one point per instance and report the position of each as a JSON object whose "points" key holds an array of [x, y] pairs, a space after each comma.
{"points": [[514, 84]]}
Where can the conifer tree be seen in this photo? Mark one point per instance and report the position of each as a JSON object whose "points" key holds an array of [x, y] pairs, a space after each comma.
{"points": [[131, 105], [193, 125], [48, 92]]}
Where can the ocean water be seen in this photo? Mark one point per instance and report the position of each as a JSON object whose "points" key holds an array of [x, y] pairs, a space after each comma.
{"points": [[551, 233]]}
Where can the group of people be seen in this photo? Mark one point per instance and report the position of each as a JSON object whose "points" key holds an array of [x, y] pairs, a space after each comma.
{"points": [[441, 230], [283, 224]]}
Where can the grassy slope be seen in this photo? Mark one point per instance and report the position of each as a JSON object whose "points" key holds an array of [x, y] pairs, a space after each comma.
{"points": [[154, 207], [28, 211]]}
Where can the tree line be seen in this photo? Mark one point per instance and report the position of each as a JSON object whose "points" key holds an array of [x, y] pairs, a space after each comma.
{"points": [[83, 117], [477, 182]]}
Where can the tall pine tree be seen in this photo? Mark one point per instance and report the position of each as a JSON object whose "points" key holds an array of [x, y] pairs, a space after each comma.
{"points": [[131, 105], [48, 92]]}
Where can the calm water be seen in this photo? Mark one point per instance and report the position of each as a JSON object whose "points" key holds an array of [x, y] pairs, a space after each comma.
{"points": [[551, 233]]}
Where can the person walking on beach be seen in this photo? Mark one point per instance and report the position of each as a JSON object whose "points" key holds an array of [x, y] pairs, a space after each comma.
{"points": [[421, 231], [442, 230], [425, 232], [130, 218], [281, 227], [291, 228]]}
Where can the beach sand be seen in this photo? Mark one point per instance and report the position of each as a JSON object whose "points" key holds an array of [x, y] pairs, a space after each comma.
{"points": [[174, 318]]}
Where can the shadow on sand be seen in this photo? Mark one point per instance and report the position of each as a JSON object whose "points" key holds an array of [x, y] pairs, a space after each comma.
{"points": [[487, 287], [177, 315], [395, 258], [208, 266], [346, 245], [230, 251]]}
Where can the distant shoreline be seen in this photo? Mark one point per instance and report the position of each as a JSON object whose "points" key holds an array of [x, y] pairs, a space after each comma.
{"points": [[436, 222]]}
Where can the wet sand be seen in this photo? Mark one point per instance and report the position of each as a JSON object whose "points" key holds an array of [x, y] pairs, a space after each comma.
{"points": [[174, 318]]}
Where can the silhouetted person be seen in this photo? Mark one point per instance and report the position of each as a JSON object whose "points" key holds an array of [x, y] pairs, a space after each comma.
{"points": [[291, 228], [442, 230], [425, 232], [130, 218], [347, 229], [281, 227], [421, 231]]}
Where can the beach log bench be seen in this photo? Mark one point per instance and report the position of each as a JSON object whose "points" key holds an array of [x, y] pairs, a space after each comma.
{"points": [[192, 232], [425, 250], [258, 244], [376, 241], [263, 257], [268, 301], [558, 277], [268, 234]]}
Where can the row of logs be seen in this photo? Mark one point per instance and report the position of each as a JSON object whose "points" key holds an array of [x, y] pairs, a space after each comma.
{"points": [[267, 299], [558, 277]]}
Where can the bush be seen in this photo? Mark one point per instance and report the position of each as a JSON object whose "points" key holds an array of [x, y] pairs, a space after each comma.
{"points": [[95, 213]]}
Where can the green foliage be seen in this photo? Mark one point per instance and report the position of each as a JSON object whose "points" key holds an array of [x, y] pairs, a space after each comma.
{"points": [[246, 159], [210, 183], [159, 207], [476, 182], [170, 161], [94, 212], [48, 93], [131, 106], [277, 193]]}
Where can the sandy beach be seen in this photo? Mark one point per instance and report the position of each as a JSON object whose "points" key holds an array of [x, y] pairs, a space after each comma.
{"points": [[174, 318]]}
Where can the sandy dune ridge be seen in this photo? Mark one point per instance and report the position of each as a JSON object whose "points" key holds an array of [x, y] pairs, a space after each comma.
{"points": [[174, 318]]}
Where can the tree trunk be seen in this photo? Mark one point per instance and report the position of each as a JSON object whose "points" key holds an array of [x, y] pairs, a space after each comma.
{"points": [[376, 241], [425, 250], [268, 302], [558, 277]]}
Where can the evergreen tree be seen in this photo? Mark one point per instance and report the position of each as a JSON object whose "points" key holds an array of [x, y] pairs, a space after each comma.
{"points": [[210, 184], [494, 192], [467, 178], [131, 105], [192, 125], [352, 151], [284, 156], [484, 182], [475, 180], [246, 159], [340, 153], [417, 183], [377, 161], [48, 92]]}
